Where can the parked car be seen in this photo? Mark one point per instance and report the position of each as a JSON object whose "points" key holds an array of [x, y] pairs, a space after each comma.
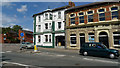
{"points": [[26, 45], [98, 49]]}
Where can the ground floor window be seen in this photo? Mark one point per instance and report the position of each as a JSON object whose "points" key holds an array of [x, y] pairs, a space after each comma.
{"points": [[46, 38], [91, 37], [73, 38], [116, 37], [49, 38], [39, 39]]}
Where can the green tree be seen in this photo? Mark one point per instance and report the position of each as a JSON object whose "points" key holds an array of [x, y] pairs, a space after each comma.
{"points": [[16, 28]]}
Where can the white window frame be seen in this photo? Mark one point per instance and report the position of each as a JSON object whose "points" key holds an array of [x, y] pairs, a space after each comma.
{"points": [[100, 12], [39, 18], [70, 40], [72, 17], [47, 26], [46, 17], [39, 38], [113, 39], [59, 17], [50, 38], [113, 10], [89, 14], [80, 16]]}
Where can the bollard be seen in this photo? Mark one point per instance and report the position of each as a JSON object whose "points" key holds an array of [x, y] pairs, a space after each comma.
{"points": [[35, 48]]}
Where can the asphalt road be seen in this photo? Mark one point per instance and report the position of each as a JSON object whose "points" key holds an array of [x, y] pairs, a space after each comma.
{"points": [[51, 57]]}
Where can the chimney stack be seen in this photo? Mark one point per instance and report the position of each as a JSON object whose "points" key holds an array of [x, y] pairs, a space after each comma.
{"points": [[72, 4]]}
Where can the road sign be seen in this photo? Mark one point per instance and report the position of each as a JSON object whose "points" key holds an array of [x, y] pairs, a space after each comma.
{"points": [[22, 38], [21, 34]]}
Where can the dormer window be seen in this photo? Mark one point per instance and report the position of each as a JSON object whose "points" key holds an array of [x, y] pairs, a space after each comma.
{"points": [[46, 16]]}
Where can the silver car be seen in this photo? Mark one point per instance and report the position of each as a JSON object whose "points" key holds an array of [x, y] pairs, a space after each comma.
{"points": [[26, 45]]}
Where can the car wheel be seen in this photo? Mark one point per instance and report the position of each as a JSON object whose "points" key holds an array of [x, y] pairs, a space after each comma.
{"points": [[112, 56], [85, 53]]}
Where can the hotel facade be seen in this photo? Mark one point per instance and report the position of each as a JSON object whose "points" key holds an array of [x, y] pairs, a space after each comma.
{"points": [[95, 22]]}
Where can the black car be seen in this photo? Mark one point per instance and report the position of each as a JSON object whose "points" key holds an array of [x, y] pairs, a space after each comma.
{"points": [[98, 49]]}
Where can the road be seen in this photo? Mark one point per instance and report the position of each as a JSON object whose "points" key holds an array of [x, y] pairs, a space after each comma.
{"points": [[55, 57]]}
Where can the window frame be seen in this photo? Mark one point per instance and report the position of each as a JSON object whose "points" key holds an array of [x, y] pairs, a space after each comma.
{"points": [[101, 12], [45, 25], [59, 15], [72, 17], [60, 25], [88, 15], [39, 18], [46, 38], [39, 38], [70, 40], [46, 17], [50, 38], [113, 10], [81, 16]]}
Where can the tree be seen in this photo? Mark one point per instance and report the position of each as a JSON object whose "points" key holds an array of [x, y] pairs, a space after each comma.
{"points": [[16, 28]]}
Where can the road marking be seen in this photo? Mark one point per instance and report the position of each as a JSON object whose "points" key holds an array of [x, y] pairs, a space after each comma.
{"points": [[8, 51], [106, 61], [15, 63], [60, 55], [2, 52]]}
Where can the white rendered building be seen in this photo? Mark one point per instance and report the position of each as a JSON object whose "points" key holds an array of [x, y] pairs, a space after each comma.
{"points": [[49, 27]]}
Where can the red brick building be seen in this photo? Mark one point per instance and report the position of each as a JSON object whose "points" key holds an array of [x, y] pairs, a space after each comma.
{"points": [[26, 36], [98, 22], [10, 37], [14, 37]]}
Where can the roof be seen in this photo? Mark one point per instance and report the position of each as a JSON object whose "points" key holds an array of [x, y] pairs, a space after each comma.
{"points": [[87, 5], [52, 10], [27, 32]]}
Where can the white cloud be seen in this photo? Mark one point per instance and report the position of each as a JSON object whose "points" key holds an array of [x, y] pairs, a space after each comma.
{"points": [[22, 9], [7, 20]]}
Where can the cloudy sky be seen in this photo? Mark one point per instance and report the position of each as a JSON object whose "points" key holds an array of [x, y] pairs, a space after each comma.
{"points": [[20, 12]]}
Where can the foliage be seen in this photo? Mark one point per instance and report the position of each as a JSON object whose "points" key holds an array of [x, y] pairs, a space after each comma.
{"points": [[14, 29]]}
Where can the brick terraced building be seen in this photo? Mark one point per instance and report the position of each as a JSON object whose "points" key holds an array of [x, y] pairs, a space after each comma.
{"points": [[99, 22]]}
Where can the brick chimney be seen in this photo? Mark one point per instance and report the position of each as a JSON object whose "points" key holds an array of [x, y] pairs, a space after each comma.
{"points": [[72, 4]]}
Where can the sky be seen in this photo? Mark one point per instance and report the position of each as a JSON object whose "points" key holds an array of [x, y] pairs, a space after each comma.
{"points": [[20, 13]]}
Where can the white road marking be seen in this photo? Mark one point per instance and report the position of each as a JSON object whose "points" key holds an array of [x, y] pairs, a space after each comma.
{"points": [[60, 55], [2, 52], [106, 61], [8, 51], [15, 63]]}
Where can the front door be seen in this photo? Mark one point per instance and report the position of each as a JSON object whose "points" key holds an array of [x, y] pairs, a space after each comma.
{"points": [[103, 38]]}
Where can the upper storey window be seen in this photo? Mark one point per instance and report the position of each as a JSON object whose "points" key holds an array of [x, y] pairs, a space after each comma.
{"points": [[114, 12], [39, 18], [90, 16], [72, 18], [101, 13], [81, 17], [59, 15], [51, 16], [46, 16]]}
